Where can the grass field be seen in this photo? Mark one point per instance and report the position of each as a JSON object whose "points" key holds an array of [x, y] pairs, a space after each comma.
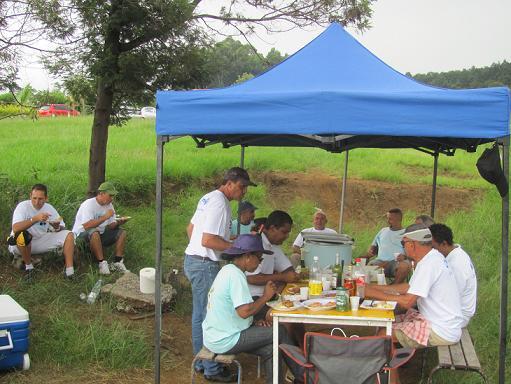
{"points": [[68, 335]]}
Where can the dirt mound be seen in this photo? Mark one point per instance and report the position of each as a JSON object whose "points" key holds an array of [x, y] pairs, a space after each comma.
{"points": [[366, 200]]}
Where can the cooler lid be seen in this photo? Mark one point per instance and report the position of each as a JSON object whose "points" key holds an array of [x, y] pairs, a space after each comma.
{"points": [[11, 311], [334, 238]]}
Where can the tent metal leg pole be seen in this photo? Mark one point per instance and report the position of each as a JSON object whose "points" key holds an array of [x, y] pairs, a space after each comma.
{"points": [[504, 268], [157, 291], [433, 191], [343, 193], [242, 165]]}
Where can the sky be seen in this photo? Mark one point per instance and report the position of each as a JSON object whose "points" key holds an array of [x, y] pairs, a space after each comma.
{"points": [[416, 36]]}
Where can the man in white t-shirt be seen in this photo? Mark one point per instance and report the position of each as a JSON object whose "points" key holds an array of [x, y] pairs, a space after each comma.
{"points": [[432, 287], [38, 228], [209, 234], [97, 225], [246, 212], [461, 266], [319, 221], [387, 244]]}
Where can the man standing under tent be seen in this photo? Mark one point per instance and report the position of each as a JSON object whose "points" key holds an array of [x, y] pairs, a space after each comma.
{"points": [[461, 266], [209, 233]]}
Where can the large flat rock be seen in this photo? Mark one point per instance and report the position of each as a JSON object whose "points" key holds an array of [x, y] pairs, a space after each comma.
{"points": [[126, 292]]}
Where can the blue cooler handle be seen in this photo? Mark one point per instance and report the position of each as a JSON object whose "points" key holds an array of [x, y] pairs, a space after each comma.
{"points": [[6, 333]]}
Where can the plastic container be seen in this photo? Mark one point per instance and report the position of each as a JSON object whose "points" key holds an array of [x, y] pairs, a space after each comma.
{"points": [[315, 284], [14, 335]]}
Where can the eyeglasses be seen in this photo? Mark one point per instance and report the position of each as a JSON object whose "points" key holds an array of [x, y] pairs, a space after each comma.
{"points": [[404, 242]]}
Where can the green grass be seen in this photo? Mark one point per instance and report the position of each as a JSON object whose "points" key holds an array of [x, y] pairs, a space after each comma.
{"points": [[67, 333]]}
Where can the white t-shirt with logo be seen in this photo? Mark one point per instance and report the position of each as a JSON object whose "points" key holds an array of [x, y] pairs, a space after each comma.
{"points": [[213, 216], [278, 262], [299, 239], [25, 211], [89, 210], [465, 275], [439, 301]]}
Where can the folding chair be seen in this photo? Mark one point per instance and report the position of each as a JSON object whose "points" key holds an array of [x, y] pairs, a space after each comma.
{"points": [[333, 359]]}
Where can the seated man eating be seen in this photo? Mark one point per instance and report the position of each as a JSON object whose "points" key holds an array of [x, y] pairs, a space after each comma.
{"points": [[432, 287], [228, 327]]}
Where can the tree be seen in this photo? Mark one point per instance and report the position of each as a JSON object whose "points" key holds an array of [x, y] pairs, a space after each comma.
{"points": [[132, 47]]}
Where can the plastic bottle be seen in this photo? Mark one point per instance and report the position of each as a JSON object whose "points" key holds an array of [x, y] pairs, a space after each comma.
{"points": [[94, 293], [315, 285], [337, 271]]}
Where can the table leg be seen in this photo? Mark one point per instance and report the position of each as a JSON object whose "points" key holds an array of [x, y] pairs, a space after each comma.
{"points": [[275, 350], [388, 328]]}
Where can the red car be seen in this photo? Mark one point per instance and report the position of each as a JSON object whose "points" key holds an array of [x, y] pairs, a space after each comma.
{"points": [[57, 110]]}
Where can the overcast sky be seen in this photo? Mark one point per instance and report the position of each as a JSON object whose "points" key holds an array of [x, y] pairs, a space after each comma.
{"points": [[414, 36]]}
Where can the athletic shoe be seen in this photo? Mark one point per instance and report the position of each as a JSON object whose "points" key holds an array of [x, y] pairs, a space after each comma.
{"points": [[119, 267], [71, 278], [103, 268]]}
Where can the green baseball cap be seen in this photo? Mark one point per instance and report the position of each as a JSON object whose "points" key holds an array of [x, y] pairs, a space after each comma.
{"points": [[108, 187]]}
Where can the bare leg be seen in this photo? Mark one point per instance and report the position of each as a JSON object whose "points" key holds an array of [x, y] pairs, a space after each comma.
{"points": [[402, 271], [96, 247], [26, 253], [68, 249], [120, 244]]}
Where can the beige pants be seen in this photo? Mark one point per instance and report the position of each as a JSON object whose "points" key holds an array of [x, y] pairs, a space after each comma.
{"points": [[433, 340]]}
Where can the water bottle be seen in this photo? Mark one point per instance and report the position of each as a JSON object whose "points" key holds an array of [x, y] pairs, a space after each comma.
{"points": [[94, 293]]}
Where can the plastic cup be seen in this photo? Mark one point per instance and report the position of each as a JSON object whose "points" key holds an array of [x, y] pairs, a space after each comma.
{"points": [[326, 284], [380, 277], [354, 302], [304, 293]]}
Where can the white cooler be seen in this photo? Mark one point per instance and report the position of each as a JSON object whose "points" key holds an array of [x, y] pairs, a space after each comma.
{"points": [[14, 333], [326, 246]]}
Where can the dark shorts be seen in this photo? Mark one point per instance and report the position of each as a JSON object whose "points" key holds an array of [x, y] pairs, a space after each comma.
{"points": [[108, 238], [261, 315]]}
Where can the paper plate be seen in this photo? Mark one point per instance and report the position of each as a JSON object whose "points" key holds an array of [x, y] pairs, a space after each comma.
{"points": [[277, 305], [378, 304], [319, 304]]}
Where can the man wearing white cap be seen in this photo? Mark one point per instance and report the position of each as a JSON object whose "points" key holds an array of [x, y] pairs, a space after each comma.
{"points": [[433, 287]]}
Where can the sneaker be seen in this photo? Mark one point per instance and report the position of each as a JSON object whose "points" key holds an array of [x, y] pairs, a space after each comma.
{"points": [[103, 268], [119, 267], [71, 278]]}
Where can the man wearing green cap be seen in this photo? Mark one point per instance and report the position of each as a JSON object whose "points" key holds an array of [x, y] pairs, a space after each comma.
{"points": [[97, 225]]}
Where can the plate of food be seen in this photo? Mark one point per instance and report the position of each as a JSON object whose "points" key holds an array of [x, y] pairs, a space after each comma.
{"points": [[118, 217], [378, 304], [291, 289], [319, 304], [284, 305], [331, 293]]}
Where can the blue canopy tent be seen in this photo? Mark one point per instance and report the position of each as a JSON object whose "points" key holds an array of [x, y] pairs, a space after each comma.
{"points": [[336, 95]]}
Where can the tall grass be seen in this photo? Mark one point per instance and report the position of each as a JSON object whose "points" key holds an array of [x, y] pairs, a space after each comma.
{"points": [[55, 152]]}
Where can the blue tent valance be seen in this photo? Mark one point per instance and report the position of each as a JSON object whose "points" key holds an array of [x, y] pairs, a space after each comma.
{"points": [[335, 86]]}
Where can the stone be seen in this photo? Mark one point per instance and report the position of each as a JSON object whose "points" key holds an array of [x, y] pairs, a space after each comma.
{"points": [[126, 294]]}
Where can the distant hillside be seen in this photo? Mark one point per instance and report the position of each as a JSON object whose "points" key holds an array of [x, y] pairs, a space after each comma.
{"points": [[497, 74]]}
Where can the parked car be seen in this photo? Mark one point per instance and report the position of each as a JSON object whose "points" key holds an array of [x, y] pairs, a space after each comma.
{"points": [[148, 112], [57, 110], [132, 112]]}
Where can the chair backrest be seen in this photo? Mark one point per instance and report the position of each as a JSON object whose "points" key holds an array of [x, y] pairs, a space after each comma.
{"points": [[346, 360]]}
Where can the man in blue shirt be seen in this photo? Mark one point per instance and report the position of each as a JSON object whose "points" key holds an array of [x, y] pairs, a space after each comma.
{"points": [[246, 212], [388, 250]]}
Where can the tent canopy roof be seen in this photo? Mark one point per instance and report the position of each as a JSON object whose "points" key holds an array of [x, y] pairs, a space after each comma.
{"points": [[332, 91]]}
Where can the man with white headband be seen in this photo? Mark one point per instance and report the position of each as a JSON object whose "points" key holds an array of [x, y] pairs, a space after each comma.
{"points": [[433, 287]]}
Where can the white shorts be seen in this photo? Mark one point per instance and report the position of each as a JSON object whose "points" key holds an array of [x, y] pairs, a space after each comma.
{"points": [[48, 242]]}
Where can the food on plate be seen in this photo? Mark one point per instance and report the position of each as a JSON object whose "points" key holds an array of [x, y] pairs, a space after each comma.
{"points": [[318, 304], [315, 304], [383, 305], [293, 289], [288, 303]]}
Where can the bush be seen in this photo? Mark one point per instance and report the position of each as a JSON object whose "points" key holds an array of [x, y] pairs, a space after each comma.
{"points": [[11, 110]]}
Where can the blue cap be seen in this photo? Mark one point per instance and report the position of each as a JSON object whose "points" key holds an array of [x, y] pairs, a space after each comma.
{"points": [[245, 244]]}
